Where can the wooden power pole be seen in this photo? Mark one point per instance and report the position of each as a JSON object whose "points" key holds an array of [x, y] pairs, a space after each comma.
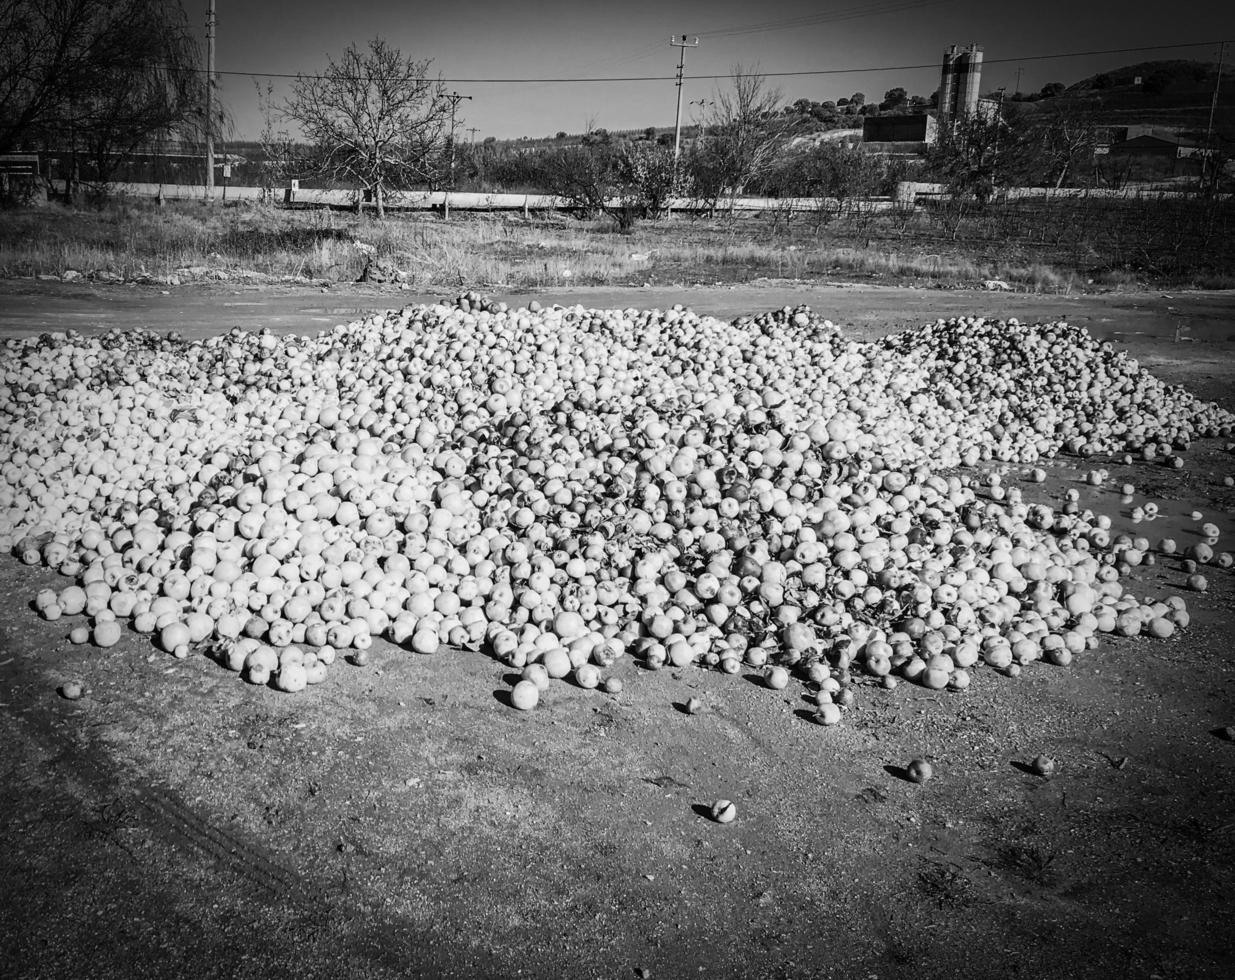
{"points": [[1208, 167], [210, 101], [681, 45], [455, 98]]}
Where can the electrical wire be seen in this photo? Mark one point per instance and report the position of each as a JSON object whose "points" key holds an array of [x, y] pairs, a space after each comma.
{"points": [[767, 74], [828, 17]]}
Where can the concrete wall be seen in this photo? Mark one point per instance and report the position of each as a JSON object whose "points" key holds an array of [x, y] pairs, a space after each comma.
{"points": [[909, 192], [459, 201]]}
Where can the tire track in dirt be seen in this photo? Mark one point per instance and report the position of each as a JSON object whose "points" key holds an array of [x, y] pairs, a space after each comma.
{"points": [[226, 850], [166, 814]]}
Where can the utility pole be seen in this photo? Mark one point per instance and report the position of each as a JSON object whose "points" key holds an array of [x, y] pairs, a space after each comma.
{"points": [[681, 45], [1017, 90], [471, 134], [455, 98], [701, 130], [998, 123], [1207, 162], [70, 184], [210, 101]]}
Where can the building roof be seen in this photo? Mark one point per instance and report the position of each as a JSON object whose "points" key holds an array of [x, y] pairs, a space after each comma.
{"points": [[1153, 141]]}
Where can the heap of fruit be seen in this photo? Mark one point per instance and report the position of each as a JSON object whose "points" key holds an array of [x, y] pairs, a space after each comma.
{"points": [[565, 487]]}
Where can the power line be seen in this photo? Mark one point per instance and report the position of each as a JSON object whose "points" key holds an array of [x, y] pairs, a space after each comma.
{"points": [[767, 74], [811, 20], [847, 13]]}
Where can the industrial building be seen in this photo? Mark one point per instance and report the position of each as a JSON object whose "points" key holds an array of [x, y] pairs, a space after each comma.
{"points": [[960, 83], [1148, 152], [908, 134]]}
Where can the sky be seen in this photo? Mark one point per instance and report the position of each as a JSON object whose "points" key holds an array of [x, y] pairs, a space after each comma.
{"points": [[475, 43]]}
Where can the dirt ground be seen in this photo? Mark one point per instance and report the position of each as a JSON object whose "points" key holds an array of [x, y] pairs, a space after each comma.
{"points": [[401, 820]]}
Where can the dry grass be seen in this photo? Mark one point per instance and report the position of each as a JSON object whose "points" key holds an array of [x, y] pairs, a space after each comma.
{"points": [[131, 238]]}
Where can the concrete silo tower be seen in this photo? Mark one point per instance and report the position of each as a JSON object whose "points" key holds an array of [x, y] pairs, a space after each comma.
{"points": [[959, 83], [947, 85], [968, 80]]}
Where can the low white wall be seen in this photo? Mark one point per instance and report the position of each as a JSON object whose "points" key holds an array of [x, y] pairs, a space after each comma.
{"points": [[471, 201], [908, 191], [907, 195]]}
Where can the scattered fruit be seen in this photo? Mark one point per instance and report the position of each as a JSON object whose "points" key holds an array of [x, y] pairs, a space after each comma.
{"points": [[1043, 765], [525, 695], [106, 633], [919, 771]]}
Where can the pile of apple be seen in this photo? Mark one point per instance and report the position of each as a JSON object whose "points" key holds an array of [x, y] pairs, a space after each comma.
{"points": [[567, 487]]}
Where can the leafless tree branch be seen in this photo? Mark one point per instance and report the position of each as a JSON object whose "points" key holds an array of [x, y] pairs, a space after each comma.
{"points": [[375, 118]]}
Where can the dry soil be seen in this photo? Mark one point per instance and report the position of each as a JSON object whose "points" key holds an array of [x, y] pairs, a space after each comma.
{"points": [[402, 820]]}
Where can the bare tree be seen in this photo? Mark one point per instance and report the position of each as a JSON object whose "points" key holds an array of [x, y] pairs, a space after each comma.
{"points": [[1041, 146], [968, 159], [583, 175], [838, 176], [626, 181], [375, 118], [282, 157], [105, 75], [1066, 132], [650, 179], [745, 131], [979, 152]]}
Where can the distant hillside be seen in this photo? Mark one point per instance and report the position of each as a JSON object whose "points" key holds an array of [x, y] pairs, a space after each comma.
{"points": [[1171, 94], [1158, 80]]}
